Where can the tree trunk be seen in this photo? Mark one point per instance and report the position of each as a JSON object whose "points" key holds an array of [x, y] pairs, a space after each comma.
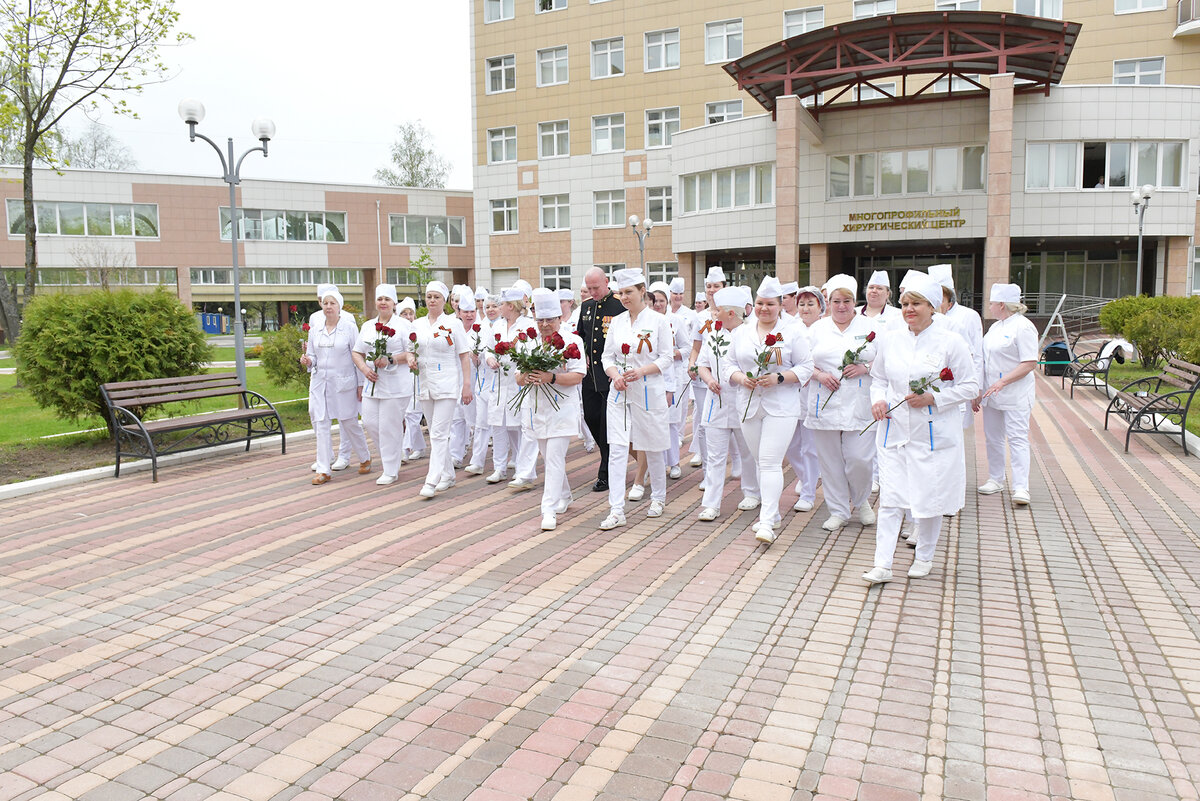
{"points": [[10, 312], [31, 260]]}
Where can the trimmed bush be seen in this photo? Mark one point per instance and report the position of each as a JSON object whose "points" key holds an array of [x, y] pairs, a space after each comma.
{"points": [[1117, 313], [71, 344], [1163, 329], [281, 351]]}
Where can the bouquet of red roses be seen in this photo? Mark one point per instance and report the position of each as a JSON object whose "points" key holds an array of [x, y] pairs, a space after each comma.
{"points": [[546, 355], [762, 358], [917, 386], [379, 346], [851, 357]]}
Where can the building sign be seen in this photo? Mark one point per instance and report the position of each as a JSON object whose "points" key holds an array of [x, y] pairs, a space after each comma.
{"points": [[911, 220]]}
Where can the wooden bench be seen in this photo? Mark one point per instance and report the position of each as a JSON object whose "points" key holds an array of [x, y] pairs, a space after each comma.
{"points": [[254, 418], [1146, 407], [1090, 370]]}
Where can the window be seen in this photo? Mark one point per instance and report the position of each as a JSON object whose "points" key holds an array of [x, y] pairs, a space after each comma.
{"points": [[1039, 8], [552, 66], [661, 125], [502, 145], [956, 83], [1143, 71], [955, 5], [550, 5], [881, 89], [729, 188], [891, 173], [662, 50], [608, 209], [917, 171], [803, 20], [722, 111], [418, 229], [556, 213], [501, 74], [1104, 165], [289, 225], [1050, 165], [496, 10], [504, 216], [608, 133], [1133, 6], [873, 8], [945, 169], [553, 139], [908, 172], [864, 174], [661, 271], [139, 220], [557, 277], [722, 41], [608, 58], [764, 184], [658, 204], [1196, 271], [974, 168]]}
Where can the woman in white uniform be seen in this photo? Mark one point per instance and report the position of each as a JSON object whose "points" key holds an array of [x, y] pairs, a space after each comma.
{"points": [[802, 451], [769, 399], [1010, 355], [443, 379], [553, 428], [636, 359], [721, 416], [704, 322], [504, 421], [333, 388], [919, 436], [879, 292], [414, 440], [388, 392], [479, 332], [677, 379], [839, 405]]}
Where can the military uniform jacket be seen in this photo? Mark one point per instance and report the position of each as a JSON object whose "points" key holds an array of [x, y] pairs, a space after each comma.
{"points": [[594, 319]]}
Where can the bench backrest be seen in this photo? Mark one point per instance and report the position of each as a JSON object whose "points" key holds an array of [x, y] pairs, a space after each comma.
{"points": [[1179, 373], [168, 390]]}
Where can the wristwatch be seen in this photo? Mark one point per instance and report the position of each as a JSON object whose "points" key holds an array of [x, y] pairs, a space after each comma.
{"points": [[389, 358], [779, 378], [554, 378]]}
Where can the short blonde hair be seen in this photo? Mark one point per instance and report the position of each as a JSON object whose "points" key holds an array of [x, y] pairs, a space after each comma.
{"points": [[915, 296], [1016, 308], [519, 305], [843, 290]]}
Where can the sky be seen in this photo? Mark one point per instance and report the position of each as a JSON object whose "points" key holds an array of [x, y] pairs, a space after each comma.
{"points": [[336, 79]]}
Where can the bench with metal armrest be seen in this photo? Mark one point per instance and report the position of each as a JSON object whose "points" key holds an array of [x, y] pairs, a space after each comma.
{"points": [[1149, 403]]}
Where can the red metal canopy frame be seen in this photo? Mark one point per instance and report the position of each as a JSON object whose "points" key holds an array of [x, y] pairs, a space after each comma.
{"points": [[832, 62]]}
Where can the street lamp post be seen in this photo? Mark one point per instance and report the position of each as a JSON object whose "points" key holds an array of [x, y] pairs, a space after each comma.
{"points": [[192, 112], [1141, 201], [641, 233]]}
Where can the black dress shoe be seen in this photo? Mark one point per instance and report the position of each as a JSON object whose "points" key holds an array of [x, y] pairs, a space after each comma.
{"points": [[600, 486]]}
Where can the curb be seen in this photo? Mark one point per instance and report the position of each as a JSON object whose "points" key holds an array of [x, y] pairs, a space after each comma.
{"points": [[19, 488]]}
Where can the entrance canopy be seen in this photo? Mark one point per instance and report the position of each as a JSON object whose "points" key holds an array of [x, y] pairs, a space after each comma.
{"points": [[832, 65]]}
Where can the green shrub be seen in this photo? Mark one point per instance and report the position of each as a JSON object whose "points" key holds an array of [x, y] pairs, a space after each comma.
{"points": [[1116, 314], [281, 351], [71, 344], [1164, 329]]}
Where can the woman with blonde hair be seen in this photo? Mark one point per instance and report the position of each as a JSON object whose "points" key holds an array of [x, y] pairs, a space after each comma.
{"points": [[505, 422], [388, 393]]}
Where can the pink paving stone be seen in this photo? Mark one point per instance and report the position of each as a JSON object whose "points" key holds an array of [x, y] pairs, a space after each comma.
{"points": [[534, 763], [514, 782], [838, 786], [571, 729], [550, 744]]}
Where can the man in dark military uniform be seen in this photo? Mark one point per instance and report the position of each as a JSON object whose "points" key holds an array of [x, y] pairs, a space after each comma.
{"points": [[595, 314]]}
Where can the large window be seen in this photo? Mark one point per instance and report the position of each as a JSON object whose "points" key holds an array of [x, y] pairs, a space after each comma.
{"points": [[658, 204], [552, 66], [496, 10], [662, 50], [557, 277], [608, 133], [731, 188], [608, 209], [275, 276], [1133, 6], [501, 74], [723, 111], [661, 271], [550, 5], [1143, 71], [504, 216], [1104, 165], [722, 41], [556, 212], [553, 139], [608, 58], [110, 276], [908, 172], [287, 225], [420, 229], [139, 220], [880, 89], [873, 8], [802, 20], [502, 145], [661, 125], [1039, 8]]}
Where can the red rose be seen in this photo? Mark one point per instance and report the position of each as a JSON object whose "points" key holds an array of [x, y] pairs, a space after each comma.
{"points": [[305, 327], [476, 328], [378, 326], [625, 349], [501, 348], [717, 325], [771, 340], [498, 337], [572, 351], [292, 309], [576, 333], [412, 337], [523, 336], [871, 336], [389, 332], [558, 341], [532, 332], [946, 375]]}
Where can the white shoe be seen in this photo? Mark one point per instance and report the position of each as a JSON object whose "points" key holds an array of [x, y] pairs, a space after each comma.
{"points": [[877, 575], [765, 534], [802, 505], [636, 492], [910, 536], [748, 503], [674, 472], [833, 523], [1021, 497], [385, 479], [874, 487], [562, 506], [444, 485], [696, 460], [866, 516], [428, 491], [613, 520], [459, 464], [920, 569], [589, 448], [313, 467], [707, 514], [549, 523], [340, 463], [416, 455], [655, 510], [521, 484], [472, 470], [991, 487], [497, 477]]}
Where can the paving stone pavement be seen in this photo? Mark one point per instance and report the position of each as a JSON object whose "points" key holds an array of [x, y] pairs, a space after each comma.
{"points": [[233, 632]]}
